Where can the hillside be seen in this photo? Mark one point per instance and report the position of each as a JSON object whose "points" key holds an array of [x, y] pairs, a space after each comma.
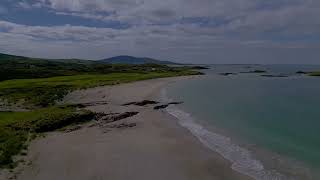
{"points": [[19, 67], [135, 60]]}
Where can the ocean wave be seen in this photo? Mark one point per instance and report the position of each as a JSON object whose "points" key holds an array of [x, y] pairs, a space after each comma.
{"points": [[241, 158]]}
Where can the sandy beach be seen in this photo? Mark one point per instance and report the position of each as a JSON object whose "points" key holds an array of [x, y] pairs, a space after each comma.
{"points": [[156, 148]]}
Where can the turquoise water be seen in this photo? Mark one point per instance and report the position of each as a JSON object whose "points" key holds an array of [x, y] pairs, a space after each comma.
{"points": [[280, 115]]}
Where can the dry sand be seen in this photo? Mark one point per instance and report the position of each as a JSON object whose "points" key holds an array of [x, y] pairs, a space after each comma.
{"points": [[156, 149]]}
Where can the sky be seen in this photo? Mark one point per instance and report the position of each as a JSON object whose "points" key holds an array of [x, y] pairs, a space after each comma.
{"points": [[190, 31]]}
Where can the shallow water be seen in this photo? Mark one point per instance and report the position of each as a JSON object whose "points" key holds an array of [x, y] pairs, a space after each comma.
{"points": [[263, 116]]}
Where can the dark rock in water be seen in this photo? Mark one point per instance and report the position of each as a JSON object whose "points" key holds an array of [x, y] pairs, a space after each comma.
{"points": [[200, 67], [166, 105], [270, 75], [145, 102], [255, 71], [175, 103], [227, 74], [142, 103], [161, 107], [301, 72], [109, 119]]}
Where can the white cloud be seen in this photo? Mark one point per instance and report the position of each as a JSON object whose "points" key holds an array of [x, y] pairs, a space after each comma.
{"points": [[156, 28], [3, 10], [251, 16], [165, 42]]}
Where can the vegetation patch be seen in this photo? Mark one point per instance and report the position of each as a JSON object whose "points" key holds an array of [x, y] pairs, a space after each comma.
{"points": [[17, 128], [314, 73], [36, 85], [44, 92]]}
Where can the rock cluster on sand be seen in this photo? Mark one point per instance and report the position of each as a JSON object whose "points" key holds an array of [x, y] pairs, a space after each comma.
{"points": [[113, 118], [142, 103], [166, 105]]}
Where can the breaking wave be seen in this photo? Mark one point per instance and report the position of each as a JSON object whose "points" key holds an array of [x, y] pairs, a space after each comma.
{"points": [[241, 158]]}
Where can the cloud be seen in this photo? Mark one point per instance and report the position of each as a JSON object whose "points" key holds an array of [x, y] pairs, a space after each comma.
{"points": [[3, 10], [179, 28], [175, 41], [239, 16]]}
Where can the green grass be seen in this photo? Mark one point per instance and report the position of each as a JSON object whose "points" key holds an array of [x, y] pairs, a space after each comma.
{"points": [[317, 73], [45, 91], [16, 128]]}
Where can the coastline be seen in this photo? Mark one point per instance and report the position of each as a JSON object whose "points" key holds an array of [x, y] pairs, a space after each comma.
{"points": [[157, 148], [248, 158]]}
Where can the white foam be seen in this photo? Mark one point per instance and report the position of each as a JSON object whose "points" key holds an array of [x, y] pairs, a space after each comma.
{"points": [[241, 158]]}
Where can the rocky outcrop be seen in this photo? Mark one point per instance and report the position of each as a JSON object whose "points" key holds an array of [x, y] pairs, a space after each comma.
{"points": [[84, 105], [166, 105], [227, 74], [272, 75], [141, 103], [255, 71], [122, 125], [301, 72], [113, 118]]}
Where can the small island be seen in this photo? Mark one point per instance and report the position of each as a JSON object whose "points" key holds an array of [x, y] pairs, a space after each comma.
{"points": [[227, 74], [274, 75], [200, 67], [301, 72], [255, 71]]}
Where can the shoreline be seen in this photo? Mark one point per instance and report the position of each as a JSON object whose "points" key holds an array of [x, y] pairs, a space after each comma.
{"points": [[245, 157], [157, 148]]}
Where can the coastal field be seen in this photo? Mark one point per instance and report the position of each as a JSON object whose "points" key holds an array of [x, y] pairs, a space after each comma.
{"points": [[28, 105], [86, 120], [148, 145]]}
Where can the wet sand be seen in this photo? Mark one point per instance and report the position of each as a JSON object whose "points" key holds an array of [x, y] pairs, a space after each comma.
{"points": [[157, 148]]}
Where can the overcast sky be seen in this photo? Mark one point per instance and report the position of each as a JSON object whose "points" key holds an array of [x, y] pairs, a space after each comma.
{"points": [[196, 31]]}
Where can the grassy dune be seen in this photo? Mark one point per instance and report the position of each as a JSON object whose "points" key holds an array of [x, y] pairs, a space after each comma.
{"points": [[45, 91], [17, 128]]}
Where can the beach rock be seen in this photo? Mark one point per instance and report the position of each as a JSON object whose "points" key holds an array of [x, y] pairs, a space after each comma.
{"points": [[175, 103], [113, 118], [271, 75], [122, 125], [200, 67], [166, 105], [227, 74], [161, 107], [142, 103], [255, 71]]}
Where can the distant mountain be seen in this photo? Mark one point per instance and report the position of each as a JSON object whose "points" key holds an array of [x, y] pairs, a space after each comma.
{"points": [[113, 60], [135, 60]]}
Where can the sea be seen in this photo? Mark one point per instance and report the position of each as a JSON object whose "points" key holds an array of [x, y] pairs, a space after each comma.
{"points": [[268, 127]]}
